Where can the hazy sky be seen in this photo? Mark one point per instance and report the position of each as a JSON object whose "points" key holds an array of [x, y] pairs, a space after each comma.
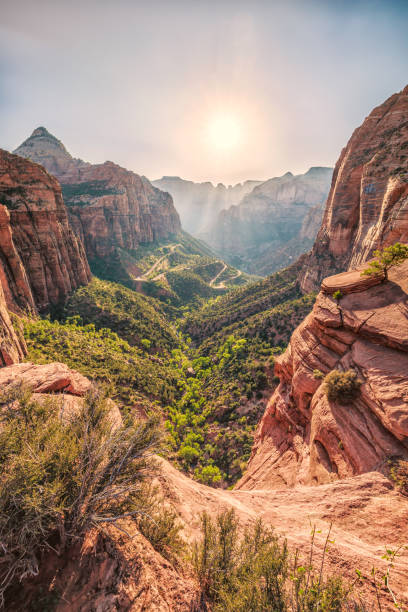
{"points": [[149, 84]]}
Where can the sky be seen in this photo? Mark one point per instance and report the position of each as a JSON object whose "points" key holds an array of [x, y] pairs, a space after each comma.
{"points": [[218, 90]]}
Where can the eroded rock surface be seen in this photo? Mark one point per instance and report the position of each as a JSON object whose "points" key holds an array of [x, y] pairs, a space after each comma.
{"points": [[303, 437], [367, 207], [12, 345], [42, 260]]}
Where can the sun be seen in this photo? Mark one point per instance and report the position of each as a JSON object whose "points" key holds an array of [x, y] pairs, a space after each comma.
{"points": [[224, 132]]}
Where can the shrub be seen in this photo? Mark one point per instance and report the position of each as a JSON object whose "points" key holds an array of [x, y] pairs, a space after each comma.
{"points": [[255, 572], [391, 256], [158, 523], [337, 295], [60, 478], [318, 374], [342, 387], [399, 474]]}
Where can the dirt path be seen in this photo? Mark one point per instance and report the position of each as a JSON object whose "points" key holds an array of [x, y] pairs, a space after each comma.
{"points": [[212, 282], [221, 285], [145, 276]]}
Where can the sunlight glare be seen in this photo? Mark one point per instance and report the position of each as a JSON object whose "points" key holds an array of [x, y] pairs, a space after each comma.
{"points": [[224, 132]]}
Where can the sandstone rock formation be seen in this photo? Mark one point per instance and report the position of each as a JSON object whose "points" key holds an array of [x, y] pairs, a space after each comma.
{"points": [[41, 260], [47, 378], [109, 207], [367, 207], [303, 437], [199, 204], [12, 345], [265, 231]]}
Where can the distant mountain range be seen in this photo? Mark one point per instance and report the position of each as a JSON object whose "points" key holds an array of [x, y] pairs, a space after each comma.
{"points": [[274, 223], [199, 204]]}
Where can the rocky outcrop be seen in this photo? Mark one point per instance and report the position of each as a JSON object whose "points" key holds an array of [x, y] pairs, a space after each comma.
{"points": [[109, 207], [12, 345], [47, 378], [199, 204], [265, 231], [367, 207], [303, 437], [41, 260]]}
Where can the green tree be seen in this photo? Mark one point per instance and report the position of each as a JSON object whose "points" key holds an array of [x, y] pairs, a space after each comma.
{"points": [[385, 259]]}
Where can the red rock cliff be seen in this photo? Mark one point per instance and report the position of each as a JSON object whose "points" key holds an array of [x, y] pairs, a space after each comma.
{"points": [[41, 260], [109, 207], [367, 207], [303, 437]]}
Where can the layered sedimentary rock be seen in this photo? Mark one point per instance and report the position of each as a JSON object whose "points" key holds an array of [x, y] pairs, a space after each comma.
{"points": [[199, 204], [109, 207], [367, 207], [12, 345], [265, 231], [41, 259], [304, 438]]}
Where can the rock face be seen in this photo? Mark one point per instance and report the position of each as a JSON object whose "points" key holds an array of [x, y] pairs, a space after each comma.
{"points": [[367, 207], [109, 207], [199, 204], [42, 261], [303, 437], [48, 378], [265, 231], [12, 345]]}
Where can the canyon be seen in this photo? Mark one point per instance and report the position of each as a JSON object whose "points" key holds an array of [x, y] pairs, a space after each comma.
{"points": [[315, 460], [199, 204], [273, 224]]}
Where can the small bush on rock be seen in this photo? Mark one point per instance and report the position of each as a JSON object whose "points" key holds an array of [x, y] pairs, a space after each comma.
{"points": [[399, 474], [342, 387]]}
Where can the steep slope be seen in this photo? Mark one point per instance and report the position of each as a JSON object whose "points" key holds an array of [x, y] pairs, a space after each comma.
{"points": [[367, 206], [263, 232], [198, 204], [305, 438], [42, 261], [109, 207], [12, 345]]}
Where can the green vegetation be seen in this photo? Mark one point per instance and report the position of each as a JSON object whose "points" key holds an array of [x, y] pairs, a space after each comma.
{"points": [[239, 304], [211, 396], [211, 426], [385, 259], [318, 374], [256, 572], [58, 479], [77, 194], [399, 474], [132, 373], [134, 317], [342, 387], [337, 295], [177, 272]]}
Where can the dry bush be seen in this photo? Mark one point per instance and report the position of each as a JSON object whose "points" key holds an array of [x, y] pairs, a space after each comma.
{"points": [[60, 478]]}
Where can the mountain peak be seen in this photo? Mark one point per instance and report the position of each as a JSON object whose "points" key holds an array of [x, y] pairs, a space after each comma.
{"points": [[41, 131]]}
